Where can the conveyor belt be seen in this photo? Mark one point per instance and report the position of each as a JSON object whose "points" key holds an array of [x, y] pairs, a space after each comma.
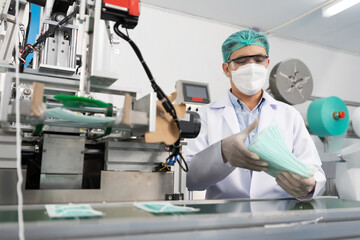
{"points": [[323, 218]]}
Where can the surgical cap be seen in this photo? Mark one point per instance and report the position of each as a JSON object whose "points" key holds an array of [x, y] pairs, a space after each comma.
{"points": [[241, 39]]}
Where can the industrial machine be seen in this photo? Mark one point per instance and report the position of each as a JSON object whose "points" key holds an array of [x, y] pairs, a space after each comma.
{"points": [[291, 81], [328, 120], [74, 147]]}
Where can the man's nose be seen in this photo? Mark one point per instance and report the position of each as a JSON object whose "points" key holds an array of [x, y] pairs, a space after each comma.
{"points": [[251, 60]]}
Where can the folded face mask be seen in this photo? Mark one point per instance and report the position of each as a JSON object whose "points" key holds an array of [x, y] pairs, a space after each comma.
{"points": [[71, 211], [164, 208], [271, 147]]}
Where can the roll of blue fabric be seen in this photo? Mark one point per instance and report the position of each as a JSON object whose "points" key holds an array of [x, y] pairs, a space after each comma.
{"points": [[328, 116]]}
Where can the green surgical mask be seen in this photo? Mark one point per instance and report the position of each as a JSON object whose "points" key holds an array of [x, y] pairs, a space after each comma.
{"points": [[71, 211], [164, 208], [271, 147]]}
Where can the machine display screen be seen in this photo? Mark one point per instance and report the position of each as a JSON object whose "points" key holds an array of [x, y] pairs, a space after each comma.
{"points": [[196, 93]]}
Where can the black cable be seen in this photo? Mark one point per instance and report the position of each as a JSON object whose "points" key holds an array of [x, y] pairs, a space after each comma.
{"points": [[183, 160], [52, 29], [160, 94], [175, 148]]}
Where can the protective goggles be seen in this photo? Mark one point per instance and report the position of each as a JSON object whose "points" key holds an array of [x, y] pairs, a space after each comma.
{"points": [[236, 62]]}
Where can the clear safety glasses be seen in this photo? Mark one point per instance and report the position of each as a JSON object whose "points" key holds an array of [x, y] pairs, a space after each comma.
{"points": [[240, 61]]}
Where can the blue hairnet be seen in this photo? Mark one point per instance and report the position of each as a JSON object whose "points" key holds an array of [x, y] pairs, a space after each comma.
{"points": [[241, 39]]}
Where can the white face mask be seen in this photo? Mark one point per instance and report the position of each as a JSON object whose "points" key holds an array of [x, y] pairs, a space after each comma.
{"points": [[249, 78]]}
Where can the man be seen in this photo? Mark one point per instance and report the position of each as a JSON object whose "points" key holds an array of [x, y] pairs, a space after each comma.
{"points": [[218, 159]]}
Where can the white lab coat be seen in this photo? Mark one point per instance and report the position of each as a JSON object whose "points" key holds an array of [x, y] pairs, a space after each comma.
{"points": [[218, 121]]}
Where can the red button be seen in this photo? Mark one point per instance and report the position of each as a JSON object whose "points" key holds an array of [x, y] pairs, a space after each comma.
{"points": [[338, 115], [342, 114], [197, 99]]}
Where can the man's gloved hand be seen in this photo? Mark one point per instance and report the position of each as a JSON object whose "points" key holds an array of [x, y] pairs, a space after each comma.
{"points": [[236, 153], [294, 184]]}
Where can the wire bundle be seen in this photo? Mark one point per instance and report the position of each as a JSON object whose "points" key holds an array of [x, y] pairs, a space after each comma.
{"points": [[271, 147], [52, 29]]}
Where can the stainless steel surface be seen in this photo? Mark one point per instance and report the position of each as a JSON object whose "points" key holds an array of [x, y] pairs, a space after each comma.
{"points": [[8, 181], [61, 181], [115, 187], [7, 151], [330, 173], [62, 161], [291, 81], [180, 177], [62, 82], [133, 156], [74, 35], [55, 69], [62, 129], [63, 154], [25, 113], [147, 104], [25, 108], [5, 91], [103, 65], [58, 54]]}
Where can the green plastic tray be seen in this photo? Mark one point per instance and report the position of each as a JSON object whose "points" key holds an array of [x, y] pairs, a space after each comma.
{"points": [[71, 101]]}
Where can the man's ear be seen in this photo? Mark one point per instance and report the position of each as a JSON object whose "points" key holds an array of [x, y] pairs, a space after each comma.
{"points": [[226, 69], [268, 63]]}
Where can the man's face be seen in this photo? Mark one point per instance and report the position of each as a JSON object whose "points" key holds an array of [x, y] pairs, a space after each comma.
{"points": [[251, 50]]}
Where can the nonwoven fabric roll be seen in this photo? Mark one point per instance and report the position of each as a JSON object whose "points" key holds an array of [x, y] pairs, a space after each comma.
{"points": [[355, 121], [270, 146], [328, 116]]}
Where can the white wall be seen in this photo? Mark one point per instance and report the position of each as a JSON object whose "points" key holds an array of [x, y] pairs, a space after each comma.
{"points": [[175, 46], [178, 46]]}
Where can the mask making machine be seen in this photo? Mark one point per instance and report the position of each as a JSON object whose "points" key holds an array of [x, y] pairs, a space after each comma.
{"points": [[74, 147], [327, 119]]}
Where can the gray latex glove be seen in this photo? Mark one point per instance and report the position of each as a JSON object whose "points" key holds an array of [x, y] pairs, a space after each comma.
{"points": [[236, 153], [295, 185]]}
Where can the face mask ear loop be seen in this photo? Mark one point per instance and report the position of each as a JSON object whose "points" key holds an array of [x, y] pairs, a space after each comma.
{"points": [[163, 208]]}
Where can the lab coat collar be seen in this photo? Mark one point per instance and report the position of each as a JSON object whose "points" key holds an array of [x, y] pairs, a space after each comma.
{"points": [[225, 101], [266, 115], [221, 102], [228, 113]]}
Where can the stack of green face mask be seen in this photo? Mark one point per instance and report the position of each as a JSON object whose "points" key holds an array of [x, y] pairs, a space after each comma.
{"points": [[64, 114], [270, 146]]}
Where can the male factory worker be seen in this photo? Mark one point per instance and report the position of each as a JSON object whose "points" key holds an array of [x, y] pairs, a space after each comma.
{"points": [[218, 158]]}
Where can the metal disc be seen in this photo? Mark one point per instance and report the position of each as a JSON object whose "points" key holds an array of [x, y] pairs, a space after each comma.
{"points": [[291, 82]]}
